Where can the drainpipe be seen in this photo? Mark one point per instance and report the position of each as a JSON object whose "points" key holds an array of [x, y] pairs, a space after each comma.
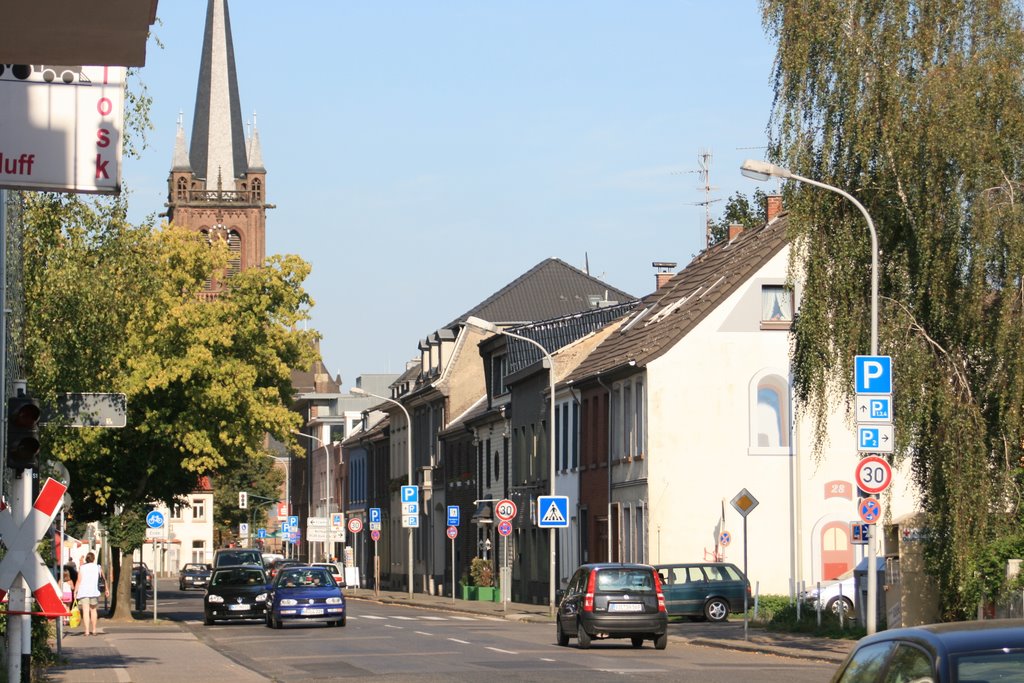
{"points": [[605, 386]]}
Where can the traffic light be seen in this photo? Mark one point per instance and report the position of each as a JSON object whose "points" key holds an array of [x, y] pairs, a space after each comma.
{"points": [[243, 499], [22, 432]]}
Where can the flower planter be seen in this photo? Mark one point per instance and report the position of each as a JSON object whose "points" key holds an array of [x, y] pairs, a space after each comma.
{"points": [[487, 593], [468, 592]]}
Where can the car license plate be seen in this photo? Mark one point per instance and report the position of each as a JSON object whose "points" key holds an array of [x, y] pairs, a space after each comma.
{"points": [[238, 608], [625, 607], [312, 610]]}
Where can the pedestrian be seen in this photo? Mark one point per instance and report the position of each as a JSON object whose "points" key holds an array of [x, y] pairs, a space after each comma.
{"points": [[87, 592], [67, 594]]}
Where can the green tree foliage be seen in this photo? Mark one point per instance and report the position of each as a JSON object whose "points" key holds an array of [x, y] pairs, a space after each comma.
{"points": [[261, 480], [739, 210], [916, 108], [112, 307]]}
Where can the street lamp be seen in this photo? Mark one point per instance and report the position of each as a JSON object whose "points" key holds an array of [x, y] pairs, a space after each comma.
{"points": [[486, 326], [356, 391], [762, 170], [327, 455]]}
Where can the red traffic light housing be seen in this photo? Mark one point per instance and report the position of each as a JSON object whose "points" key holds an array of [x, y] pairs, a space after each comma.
{"points": [[23, 432]]}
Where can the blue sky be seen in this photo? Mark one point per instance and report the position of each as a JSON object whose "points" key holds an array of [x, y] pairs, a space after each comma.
{"points": [[422, 155]]}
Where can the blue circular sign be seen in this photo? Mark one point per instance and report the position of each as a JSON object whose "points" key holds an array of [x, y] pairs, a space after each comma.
{"points": [[155, 519]]}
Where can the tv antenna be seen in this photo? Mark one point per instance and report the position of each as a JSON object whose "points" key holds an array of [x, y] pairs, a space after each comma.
{"points": [[704, 170]]}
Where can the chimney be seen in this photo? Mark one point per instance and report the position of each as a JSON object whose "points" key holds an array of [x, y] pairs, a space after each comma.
{"points": [[773, 206], [734, 230], [664, 273]]}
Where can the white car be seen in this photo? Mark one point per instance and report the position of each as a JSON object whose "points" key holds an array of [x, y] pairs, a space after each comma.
{"points": [[836, 596]]}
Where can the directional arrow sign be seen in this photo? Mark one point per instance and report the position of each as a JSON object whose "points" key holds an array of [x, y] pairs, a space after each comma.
{"points": [[875, 439]]}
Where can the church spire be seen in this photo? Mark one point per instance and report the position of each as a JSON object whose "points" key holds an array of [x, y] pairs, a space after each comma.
{"points": [[180, 161], [255, 151], [218, 141]]}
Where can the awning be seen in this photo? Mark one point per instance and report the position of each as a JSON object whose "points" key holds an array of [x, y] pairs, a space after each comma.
{"points": [[484, 514]]}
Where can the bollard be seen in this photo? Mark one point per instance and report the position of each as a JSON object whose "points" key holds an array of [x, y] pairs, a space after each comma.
{"points": [[140, 594]]}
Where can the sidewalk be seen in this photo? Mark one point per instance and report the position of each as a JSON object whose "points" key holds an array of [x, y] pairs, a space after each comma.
{"points": [[146, 652]]}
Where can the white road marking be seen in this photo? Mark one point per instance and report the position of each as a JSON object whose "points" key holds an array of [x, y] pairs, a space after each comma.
{"points": [[434, 618], [456, 640], [367, 616], [504, 652], [422, 633], [393, 626], [464, 618], [545, 659], [403, 618]]}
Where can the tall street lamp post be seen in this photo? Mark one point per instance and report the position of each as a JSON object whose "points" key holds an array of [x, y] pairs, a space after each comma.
{"points": [[486, 326], [327, 454], [356, 391], [762, 170]]}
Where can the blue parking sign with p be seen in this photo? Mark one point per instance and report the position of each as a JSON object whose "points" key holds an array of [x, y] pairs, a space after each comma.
{"points": [[374, 515], [873, 374], [410, 494]]}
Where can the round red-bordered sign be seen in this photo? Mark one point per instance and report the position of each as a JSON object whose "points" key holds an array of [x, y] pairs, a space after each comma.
{"points": [[505, 510], [873, 474], [505, 527], [724, 538], [355, 525], [452, 532], [375, 535], [870, 510]]}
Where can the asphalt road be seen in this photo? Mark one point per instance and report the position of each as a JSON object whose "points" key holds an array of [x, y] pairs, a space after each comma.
{"points": [[407, 644]]}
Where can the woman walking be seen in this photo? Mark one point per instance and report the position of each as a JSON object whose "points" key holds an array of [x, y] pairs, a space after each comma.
{"points": [[87, 591]]}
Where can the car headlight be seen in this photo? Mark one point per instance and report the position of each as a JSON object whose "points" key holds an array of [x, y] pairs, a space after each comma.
{"points": [[262, 597], [334, 601], [288, 602], [214, 598]]}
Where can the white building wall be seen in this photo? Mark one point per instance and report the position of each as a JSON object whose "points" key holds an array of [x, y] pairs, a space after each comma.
{"points": [[701, 401], [188, 537]]}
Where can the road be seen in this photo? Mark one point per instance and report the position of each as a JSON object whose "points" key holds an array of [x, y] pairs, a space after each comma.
{"points": [[424, 645]]}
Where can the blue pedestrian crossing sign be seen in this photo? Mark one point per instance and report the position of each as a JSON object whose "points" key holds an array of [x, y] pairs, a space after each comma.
{"points": [[453, 515], [872, 374], [410, 494], [553, 512]]}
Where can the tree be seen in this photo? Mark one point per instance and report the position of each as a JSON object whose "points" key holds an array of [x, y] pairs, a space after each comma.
{"points": [[916, 108], [255, 476], [114, 307], [739, 211]]}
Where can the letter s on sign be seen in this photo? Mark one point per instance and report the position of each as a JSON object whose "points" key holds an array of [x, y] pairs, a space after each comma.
{"points": [[103, 137]]}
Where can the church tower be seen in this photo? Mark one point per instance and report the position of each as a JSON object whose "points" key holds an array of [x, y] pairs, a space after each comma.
{"points": [[218, 186]]}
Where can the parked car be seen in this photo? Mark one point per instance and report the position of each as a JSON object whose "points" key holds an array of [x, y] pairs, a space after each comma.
{"points": [[939, 653], [612, 601], [336, 569], [270, 558], [226, 557], [835, 596], [305, 593], [704, 589], [236, 592], [194, 575], [141, 570], [275, 567]]}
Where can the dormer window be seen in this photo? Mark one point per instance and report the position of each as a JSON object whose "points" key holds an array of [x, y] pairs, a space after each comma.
{"points": [[499, 368], [776, 307]]}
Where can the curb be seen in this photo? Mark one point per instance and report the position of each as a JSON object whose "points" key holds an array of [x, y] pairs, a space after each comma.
{"points": [[769, 649]]}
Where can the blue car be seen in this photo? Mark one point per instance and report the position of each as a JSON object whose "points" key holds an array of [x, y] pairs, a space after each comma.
{"points": [[304, 593]]}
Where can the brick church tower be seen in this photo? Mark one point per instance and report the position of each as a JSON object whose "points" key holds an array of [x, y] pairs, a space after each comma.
{"points": [[218, 186]]}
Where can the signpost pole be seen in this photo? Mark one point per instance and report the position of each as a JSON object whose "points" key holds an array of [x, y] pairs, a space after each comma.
{"points": [[453, 571], [376, 571], [746, 606]]}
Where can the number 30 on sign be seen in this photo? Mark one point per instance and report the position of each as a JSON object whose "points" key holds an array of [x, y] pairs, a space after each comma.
{"points": [[873, 474]]}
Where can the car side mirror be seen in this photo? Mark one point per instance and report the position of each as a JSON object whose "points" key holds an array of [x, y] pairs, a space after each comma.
{"points": [[559, 594]]}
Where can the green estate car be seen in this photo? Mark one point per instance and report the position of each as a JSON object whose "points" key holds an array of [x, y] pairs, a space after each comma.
{"points": [[708, 589]]}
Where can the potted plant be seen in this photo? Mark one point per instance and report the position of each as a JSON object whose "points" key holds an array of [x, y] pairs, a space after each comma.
{"points": [[483, 578], [466, 587]]}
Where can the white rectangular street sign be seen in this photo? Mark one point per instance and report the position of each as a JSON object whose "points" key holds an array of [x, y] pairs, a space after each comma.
{"points": [[154, 533], [316, 523], [410, 521], [871, 408], [374, 526], [875, 439], [62, 127], [410, 508], [316, 535]]}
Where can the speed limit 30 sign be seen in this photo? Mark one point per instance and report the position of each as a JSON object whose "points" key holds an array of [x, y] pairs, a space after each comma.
{"points": [[505, 510], [873, 474]]}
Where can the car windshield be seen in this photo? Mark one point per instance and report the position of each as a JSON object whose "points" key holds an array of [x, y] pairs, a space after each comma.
{"points": [[195, 567], [293, 578], [238, 576], [1002, 665], [635, 580]]}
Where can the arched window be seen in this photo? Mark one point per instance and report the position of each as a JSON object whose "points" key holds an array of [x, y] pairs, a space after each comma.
{"points": [[234, 253], [770, 414], [182, 194], [836, 550], [257, 190]]}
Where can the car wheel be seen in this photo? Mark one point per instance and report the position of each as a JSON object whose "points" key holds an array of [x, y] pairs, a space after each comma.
{"points": [[208, 620], [716, 609], [563, 637], [661, 642], [341, 622], [637, 641], [582, 637], [841, 605], [277, 623]]}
